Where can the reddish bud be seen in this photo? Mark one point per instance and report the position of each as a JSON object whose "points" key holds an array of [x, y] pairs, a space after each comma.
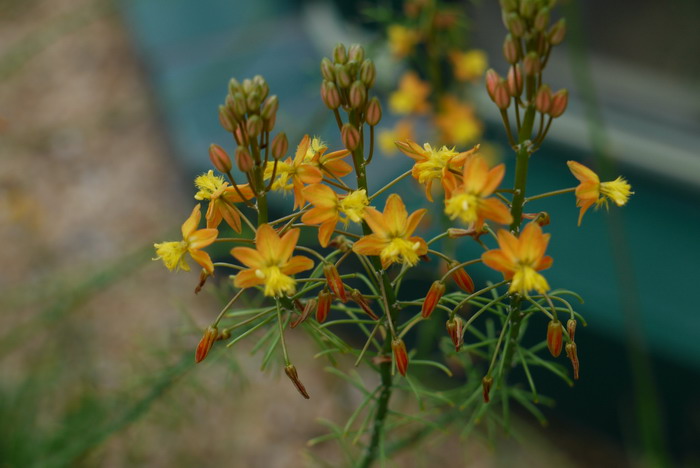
{"points": [[400, 355], [205, 344], [244, 161], [511, 49], [492, 80], [330, 95], [219, 158], [368, 73], [240, 135], [327, 70], [531, 64], [455, 328], [310, 305], [462, 278], [432, 298], [341, 243], [203, 276], [279, 145], [350, 136], [572, 354], [571, 328], [362, 302], [541, 218], [501, 95], [291, 372], [324, 306], [560, 100], [554, 337], [269, 108], [373, 112], [357, 95], [543, 99], [342, 76], [335, 283], [558, 32], [515, 81], [486, 384], [340, 55]]}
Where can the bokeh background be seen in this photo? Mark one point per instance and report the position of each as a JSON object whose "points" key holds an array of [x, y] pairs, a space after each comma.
{"points": [[107, 109]]}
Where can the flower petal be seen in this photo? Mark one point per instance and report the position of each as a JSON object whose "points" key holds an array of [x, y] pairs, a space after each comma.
{"points": [[249, 257], [395, 214], [325, 231], [191, 224], [203, 259], [414, 220], [376, 222], [202, 238], [496, 210], [497, 260], [247, 279], [297, 264], [582, 173], [369, 245], [493, 180]]}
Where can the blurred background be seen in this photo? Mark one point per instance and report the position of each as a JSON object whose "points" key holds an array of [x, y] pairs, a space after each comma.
{"points": [[107, 109]]}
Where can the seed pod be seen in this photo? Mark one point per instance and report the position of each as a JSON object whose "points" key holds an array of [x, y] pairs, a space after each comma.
{"points": [[291, 372], [254, 126], [244, 161], [340, 55], [462, 278], [368, 73], [558, 32], [358, 95], [486, 384], [205, 343], [531, 64], [511, 49], [492, 79], [455, 328], [400, 355], [350, 136], [324, 306], [543, 99], [279, 146], [219, 158], [571, 328], [330, 95], [335, 283], [437, 289], [572, 354], [269, 108], [515, 81], [327, 71], [554, 337], [560, 100], [373, 112]]}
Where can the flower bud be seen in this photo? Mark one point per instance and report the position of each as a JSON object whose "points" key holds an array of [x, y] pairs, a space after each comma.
{"points": [[462, 278], [509, 5], [531, 64], [240, 135], [238, 106], [492, 80], [352, 67], [541, 21], [455, 328], [571, 328], [291, 372], [400, 355], [340, 55], [244, 161], [456, 233], [324, 306], [541, 218], [358, 95], [254, 126], [432, 298], [205, 343], [335, 283], [234, 86], [511, 49], [373, 112], [558, 32], [554, 337], [342, 76], [225, 118], [486, 384], [356, 53], [279, 145], [543, 99], [269, 124], [515, 81], [341, 243], [350, 136], [361, 301], [368, 73], [527, 8], [247, 86], [410, 148], [261, 86], [308, 307], [269, 108], [252, 102], [515, 24], [224, 335], [572, 354], [501, 96], [327, 71], [560, 100], [330, 94], [203, 276], [219, 158]]}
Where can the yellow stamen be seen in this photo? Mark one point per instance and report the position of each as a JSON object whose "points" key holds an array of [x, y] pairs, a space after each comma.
{"points": [[353, 206], [463, 206], [208, 184], [617, 190], [173, 254]]}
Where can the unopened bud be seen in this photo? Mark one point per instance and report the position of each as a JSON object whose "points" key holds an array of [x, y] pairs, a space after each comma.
{"points": [[244, 161], [455, 328], [234, 86], [558, 32], [340, 55], [509, 5], [352, 67], [501, 96], [527, 8], [225, 119], [335, 283], [515, 24], [541, 218], [327, 71], [362, 302], [542, 19], [342, 76], [291, 372], [205, 343], [324, 306], [356, 52], [241, 135], [308, 307], [492, 80], [515, 81], [400, 355], [531, 64], [224, 335], [269, 108], [543, 99], [572, 354], [254, 126], [511, 49], [252, 102], [437, 289], [219, 158], [269, 124], [368, 73], [341, 243], [456, 233], [247, 86], [410, 148], [560, 100], [462, 278], [279, 145], [373, 113], [554, 337], [357, 95], [330, 94], [238, 106], [571, 328], [261, 85], [486, 384], [350, 136]]}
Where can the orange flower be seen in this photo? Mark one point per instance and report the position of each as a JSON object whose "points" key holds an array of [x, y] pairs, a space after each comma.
{"points": [[332, 163], [520, 259], [221, 200], [386, 138], [271, 262], [193, 239], [391, 238], [412, 95], [592, 191], [469, 65], [402, 40], [457, 122], [293, 174], [328, 208], [468, 201]]}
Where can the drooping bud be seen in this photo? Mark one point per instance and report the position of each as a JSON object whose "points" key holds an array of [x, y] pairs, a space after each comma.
{"points": [[279, 145], [327, 71], [558, 32], [330, 94], [205, 343], [486, 384], [572, 354], [350, 136], [342, 76], [455, 328], [554, 337], [542, 19], [356, 52], [324, 306], [515, 24], [515, 81], [291, 372], [368, 73], [432, 298], [400, 355], [269, 108], [252, 102], [225, 118], [254, 126], [492, 80], [571, 328], [203, 276], [335, 283], [238, 106], [373, 112], [541, 218], [462, 278], [244, 161], [361, 301], [340, 55], [308, 307], [560, 100], [511, 49], [219, 158], [531, 64], [341, 243], [543, 99], [501, 95], [357, 95]]}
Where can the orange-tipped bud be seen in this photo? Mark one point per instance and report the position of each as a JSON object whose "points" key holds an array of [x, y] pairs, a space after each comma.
{"points": [[305, 312], [334, 281], [324, 306], [492, 80], [554, 337], [373, 113], [558, 32], [511, 49], [501, 96], [515, 81], [205, 344], [330, 95], [543, 99], [357, 95], [571, 328], [560, 100], [244, 161], [462, 278], [350, 136], [400, 355], [531, 64], [486, 384], [291, 372], [368, 73], [219, 158], [432, 298], [455, 328], [572, 354], [327, 70], [362, 302]]}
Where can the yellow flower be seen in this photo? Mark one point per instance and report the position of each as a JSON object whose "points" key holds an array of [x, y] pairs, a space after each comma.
{"points": [[592, 191], [386, 138], [193, 239], [293, 174], [470, 65], [271, 262], [468, 201], [412, 95], [328, 208], [391, 238], [520, 259], [457, 122], [332, 163], [402, 40], [221, 200], [432, 164]]}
